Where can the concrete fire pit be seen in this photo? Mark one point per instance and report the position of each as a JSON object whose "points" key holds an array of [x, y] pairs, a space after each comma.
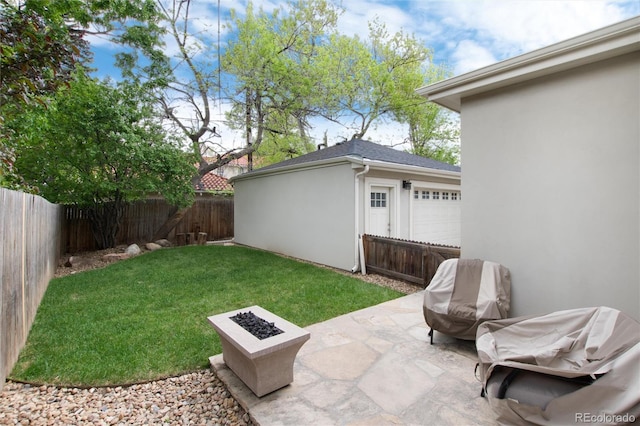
{"points": [[263, 365]]}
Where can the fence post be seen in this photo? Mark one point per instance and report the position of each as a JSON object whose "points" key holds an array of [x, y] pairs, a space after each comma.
{"points": [[426, 254], [365, 249]]}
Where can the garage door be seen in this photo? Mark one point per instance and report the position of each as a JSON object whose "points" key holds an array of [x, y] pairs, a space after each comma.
{"points": [[436, 216]]}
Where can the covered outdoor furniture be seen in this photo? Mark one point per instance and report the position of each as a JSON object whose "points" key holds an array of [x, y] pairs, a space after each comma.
{"points": [[463, 294], [567, 367]]}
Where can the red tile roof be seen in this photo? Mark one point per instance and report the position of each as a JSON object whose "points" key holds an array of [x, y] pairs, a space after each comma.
{"points": [[212, 182]]}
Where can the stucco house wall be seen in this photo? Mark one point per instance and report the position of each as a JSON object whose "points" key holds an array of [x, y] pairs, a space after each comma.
{"points": [[551, 178], [552, 190], [306, 213]]}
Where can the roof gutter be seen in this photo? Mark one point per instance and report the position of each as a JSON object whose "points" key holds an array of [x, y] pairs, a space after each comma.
{"points": [[378, 165], [286, 169], [395, 167]]}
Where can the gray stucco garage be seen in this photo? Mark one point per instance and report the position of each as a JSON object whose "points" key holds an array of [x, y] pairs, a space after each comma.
{"points": [[316, 206]]}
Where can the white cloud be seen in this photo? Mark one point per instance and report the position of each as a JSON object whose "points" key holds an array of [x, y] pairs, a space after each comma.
{"points": [[509, 28], [355, 19], [469, 56], [204, 18], [527, 25]]}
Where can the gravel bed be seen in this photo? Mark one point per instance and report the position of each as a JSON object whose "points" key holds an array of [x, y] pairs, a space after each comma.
{"points": [[198, 398]]}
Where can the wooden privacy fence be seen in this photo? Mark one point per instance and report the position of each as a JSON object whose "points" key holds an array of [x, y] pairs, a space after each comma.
{"points": [[29, 253], [212, 215], [410, 261]]}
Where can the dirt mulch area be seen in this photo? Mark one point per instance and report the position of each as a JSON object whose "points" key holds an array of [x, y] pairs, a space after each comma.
{"points": [[85, 261]]}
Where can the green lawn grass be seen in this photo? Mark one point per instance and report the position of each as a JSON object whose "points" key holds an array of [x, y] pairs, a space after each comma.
{"points": [[146, 318]]}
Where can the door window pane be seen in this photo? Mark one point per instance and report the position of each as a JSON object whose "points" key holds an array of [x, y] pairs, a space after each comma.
{"points": [[378, 199]]}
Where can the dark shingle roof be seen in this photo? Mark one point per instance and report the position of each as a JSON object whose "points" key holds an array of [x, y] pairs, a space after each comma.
{"points": [[365, 150]]}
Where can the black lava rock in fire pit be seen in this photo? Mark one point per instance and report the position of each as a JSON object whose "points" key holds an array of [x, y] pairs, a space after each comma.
{"points": [[256, 325]]}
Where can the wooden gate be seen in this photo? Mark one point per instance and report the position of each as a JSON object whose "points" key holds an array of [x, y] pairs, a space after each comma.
{"points": [[410, 261]]}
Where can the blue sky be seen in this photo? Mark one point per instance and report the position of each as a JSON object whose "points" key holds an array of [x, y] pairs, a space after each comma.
{"points": [[464, 35]]}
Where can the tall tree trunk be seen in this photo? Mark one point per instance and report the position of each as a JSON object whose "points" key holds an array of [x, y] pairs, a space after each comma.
{"points": [[177, 216], [105, 221], [248, 130], [170, 223]]}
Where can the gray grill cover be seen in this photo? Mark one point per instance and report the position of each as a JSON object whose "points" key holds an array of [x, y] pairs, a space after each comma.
{"points": [[600, 342], [464, 293]]}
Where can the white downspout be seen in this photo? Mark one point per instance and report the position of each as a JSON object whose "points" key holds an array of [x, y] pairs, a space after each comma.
{"points": [[356, 267]]}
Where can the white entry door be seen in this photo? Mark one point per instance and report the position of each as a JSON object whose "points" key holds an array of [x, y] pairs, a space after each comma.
{"points": [[379, 217]]}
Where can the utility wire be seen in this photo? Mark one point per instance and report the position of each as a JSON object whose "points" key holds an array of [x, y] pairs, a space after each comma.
{"points": [[219, 66]]}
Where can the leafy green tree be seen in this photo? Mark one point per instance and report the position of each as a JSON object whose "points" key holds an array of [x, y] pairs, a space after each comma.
{"points": [[267, 87], [266, 81], [280, 69], [42, 42], [37, 55], [367, 82], [38, 50], [99, 147], [186, 84], [432, 131], [279, 147], [273, 69], [186, 81]]}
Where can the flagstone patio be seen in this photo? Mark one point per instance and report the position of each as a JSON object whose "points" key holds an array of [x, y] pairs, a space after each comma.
{"points": [[373, 367]]}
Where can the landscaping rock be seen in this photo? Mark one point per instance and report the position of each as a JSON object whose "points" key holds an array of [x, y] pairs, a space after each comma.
{"points": [[195, 398], [78, 262], [163, 242], [153, 246], [133, 250]]}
